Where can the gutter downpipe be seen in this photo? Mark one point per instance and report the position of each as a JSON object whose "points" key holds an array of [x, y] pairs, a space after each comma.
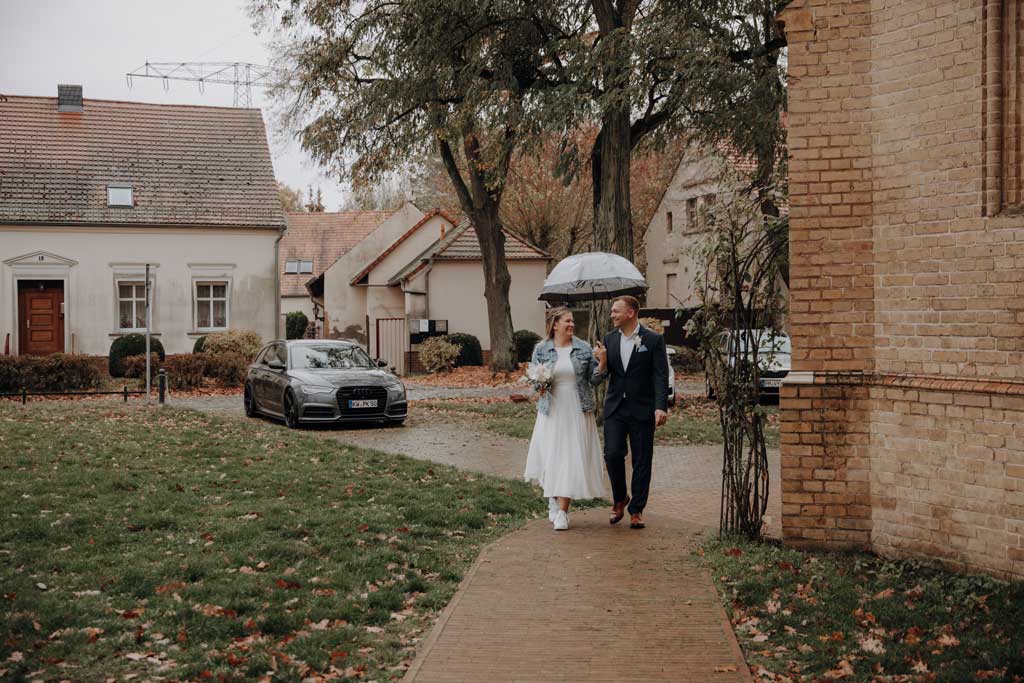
{"points": [[277, 282]]}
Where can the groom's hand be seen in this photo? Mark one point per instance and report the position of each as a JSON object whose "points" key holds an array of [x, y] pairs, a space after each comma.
{"points": [[601, 354], [660, 418]]}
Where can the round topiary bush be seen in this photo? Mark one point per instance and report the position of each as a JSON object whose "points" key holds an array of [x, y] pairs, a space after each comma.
{"points": [[131, 345], [470, 352], [244, 342], [524, 341], [437, 354], [295, 324]]}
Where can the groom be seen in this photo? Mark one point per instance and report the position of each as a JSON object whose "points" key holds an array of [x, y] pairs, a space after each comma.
{"points": [[637, 402]]}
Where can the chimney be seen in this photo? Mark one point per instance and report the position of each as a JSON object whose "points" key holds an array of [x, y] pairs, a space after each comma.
{"points": [[69, 97]]}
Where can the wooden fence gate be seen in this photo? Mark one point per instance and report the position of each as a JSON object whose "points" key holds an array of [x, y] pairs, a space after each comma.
{"points": [[392, 342]]}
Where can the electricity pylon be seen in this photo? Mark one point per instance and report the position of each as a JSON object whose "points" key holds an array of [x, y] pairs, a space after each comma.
{"points": [[242, 75]]}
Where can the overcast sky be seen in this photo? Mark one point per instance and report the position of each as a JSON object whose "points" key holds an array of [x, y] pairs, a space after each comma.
{"points": [[94, 43]]}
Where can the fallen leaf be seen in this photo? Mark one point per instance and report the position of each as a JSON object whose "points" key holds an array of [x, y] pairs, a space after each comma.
{"points": [[872, 645], [725, 668], [919, 667], [842, 670]]}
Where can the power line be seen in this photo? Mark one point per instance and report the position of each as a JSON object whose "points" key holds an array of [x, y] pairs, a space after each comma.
{"points": [[242, 75]]}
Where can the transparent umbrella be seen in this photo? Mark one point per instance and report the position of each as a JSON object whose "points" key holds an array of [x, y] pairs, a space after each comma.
{"points": [[592, 276]]}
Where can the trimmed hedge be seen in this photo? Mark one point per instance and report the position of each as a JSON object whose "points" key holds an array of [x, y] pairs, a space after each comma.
{"points": [[56, 372], [131, 345], [524, 341], [185, 370], [230, 367], [470, 352], [295, 324], [135, 366]]}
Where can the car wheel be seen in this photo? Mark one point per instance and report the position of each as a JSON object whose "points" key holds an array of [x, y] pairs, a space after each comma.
{"points": [[249, 401], [291, 410]]}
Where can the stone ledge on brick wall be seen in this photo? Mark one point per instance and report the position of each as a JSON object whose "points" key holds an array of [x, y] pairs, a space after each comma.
{"points": [[910, 381]]}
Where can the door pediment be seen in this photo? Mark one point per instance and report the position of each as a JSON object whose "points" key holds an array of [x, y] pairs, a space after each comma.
{"points": [[41, 258]]}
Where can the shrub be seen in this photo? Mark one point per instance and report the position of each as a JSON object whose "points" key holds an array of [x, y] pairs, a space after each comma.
{"points": [[199, 345], [295, 324], [438, 354], [185, 370], [244, 342], [230, 367], [56, 372], [687, 360], [131, 345], [469, 349], [524, 341], [652, 324], [135, 366]]}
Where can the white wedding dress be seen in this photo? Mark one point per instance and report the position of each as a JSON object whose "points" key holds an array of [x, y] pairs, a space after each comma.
{"points": [[565, 454]]}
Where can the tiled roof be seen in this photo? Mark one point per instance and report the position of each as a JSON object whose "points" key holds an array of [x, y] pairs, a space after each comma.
{"points": [[408, 233], [322, 238], [466, 246], [186, 165], [461, 244]]}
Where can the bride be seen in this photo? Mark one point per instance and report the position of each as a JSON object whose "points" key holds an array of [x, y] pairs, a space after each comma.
{"points": [[565, 454]]}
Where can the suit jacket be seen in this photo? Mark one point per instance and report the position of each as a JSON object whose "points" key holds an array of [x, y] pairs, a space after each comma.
{"points": [[642, 388]]}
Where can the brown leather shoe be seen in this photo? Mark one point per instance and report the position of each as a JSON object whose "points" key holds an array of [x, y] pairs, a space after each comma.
{"points": [[636, 521], [618, 511]]}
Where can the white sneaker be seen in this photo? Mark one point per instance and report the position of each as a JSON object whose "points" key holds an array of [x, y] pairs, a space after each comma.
{"points": [[561, 520], [552, 509]]}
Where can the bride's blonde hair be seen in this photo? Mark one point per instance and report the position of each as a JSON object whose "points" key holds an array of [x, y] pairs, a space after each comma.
{"points": [[552, 316]]}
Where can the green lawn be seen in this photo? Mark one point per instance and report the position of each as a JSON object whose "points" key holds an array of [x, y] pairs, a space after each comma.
{"points": [[168, 544], [807, 617], [693, 421]]}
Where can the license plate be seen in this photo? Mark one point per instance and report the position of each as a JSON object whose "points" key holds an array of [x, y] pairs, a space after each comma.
{"points": [[771, 383], [363, 403]]}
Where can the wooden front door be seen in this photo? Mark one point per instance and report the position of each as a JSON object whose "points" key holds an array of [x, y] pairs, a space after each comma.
{"points": [[40, 321]]}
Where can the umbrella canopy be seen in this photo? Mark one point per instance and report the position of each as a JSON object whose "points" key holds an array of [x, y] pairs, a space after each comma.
{"points": [[591, 277]]}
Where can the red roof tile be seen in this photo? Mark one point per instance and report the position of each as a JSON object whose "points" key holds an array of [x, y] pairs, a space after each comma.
{"points": [[187, 165], [322, 238]]}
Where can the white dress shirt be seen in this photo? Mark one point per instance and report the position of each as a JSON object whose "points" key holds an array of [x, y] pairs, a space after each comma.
{"points": [[628, 344]]}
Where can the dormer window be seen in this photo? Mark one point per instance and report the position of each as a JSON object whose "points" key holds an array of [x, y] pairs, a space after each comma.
{"points": [[120, 196], [298, 266]]}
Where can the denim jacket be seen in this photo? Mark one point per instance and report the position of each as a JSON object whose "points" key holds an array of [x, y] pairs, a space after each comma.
{"points": [[583, 362]]}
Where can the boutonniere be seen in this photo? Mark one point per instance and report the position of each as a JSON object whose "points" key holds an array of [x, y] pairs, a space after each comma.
{"points": [[636, 342]]}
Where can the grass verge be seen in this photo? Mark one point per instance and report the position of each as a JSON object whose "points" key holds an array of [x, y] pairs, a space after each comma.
{"points": [[693, 421], [171, 545], [816, 616]]}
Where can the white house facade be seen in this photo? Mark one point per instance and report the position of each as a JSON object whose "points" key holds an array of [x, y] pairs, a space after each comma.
{"points": [[91, 191]]}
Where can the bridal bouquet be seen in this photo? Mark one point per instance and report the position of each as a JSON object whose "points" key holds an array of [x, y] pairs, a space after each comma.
{"points": [[539, 376]]}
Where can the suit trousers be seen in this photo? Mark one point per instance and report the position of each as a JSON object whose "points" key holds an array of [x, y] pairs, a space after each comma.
{"points": [[640, 433]]}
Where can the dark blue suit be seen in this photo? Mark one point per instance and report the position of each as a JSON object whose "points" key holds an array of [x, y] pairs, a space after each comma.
{"points": [[634, 393]]}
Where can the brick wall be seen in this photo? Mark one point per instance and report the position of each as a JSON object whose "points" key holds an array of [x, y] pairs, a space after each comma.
{"points": [[907, 247]]}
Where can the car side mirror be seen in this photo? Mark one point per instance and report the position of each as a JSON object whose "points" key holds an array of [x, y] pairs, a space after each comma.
{"points": [[381, 363], [275, 365]]}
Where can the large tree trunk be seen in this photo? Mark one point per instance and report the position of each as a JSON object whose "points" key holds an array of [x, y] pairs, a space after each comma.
{"points": [[497, 282], [481, 203]]}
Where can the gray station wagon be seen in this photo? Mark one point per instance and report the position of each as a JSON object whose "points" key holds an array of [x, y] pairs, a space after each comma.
{"points": [[322, 381]]}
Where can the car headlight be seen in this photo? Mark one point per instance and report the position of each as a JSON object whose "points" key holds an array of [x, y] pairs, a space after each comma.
{"points": [[313, 391], [396, 390]]}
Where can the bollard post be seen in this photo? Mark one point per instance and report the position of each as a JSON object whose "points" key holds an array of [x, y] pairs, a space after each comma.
{"points": [[24, 396], [125, 393], [162, 384]]}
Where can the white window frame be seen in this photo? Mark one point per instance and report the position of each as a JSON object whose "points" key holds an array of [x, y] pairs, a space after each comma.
{"points": [[140, 302], [302, 266], [212, 281], [291, 266], [120, 204]]}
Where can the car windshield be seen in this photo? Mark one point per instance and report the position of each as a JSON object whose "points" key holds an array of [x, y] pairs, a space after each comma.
{"points": [[329, 357]]}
